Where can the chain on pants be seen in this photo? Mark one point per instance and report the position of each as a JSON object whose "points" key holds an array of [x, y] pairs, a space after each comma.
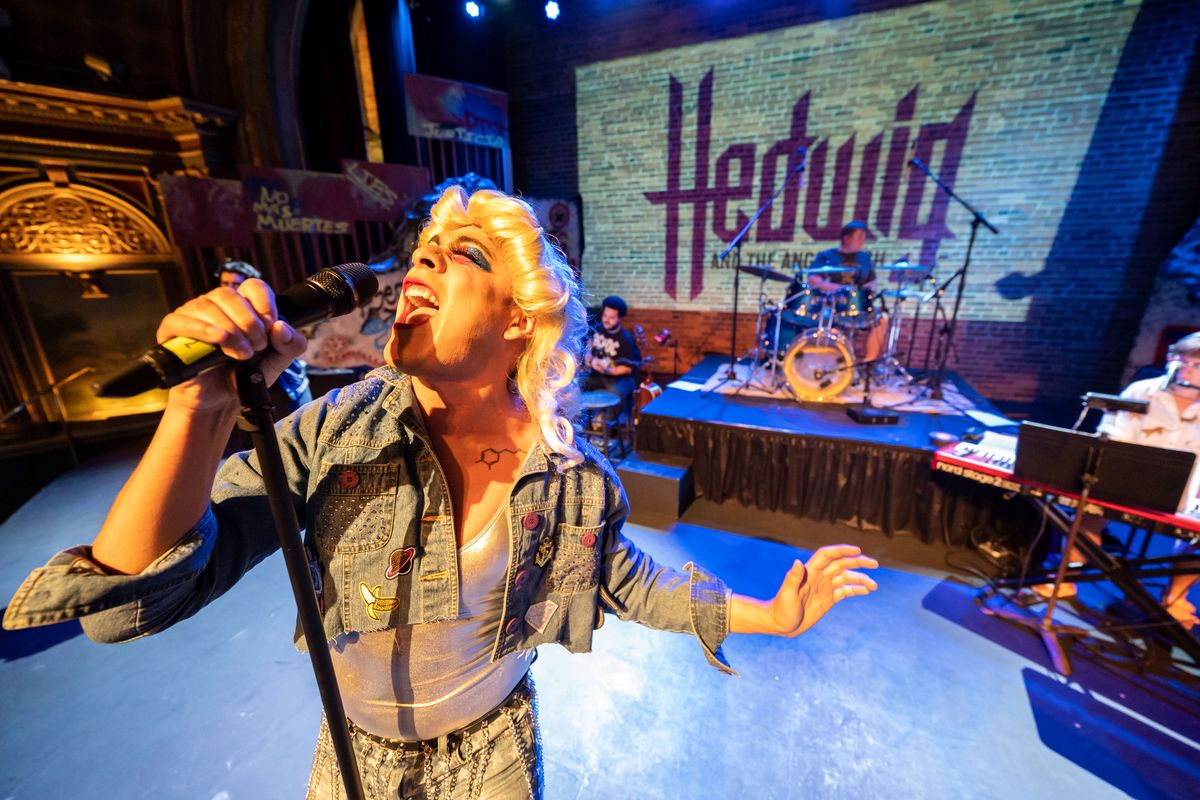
{"points": [[498, 758]]}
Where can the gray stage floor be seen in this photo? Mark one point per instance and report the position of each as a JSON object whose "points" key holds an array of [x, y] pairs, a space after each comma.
{"points": [[909, 693]]}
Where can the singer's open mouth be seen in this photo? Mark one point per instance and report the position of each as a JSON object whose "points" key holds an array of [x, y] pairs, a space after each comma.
{"points": [[420, 304]]}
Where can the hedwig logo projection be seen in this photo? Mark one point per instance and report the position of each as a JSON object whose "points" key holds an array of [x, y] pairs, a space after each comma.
{"points": [[677, 148]]}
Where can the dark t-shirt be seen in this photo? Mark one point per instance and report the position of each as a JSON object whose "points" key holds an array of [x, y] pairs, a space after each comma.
{"points": [[619, 348], [864, 270]]}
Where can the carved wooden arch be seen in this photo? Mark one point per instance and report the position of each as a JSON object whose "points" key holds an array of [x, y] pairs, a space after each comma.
{"points": [[40, 219]]}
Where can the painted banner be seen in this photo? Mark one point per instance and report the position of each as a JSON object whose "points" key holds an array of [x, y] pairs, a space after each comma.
{"points": [[206, 212], [437, 108], [999, 98], [357, 339], [292, 201], [383, 192]]}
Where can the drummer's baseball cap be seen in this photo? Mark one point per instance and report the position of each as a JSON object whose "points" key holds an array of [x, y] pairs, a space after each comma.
{"points": [[852, 226]]}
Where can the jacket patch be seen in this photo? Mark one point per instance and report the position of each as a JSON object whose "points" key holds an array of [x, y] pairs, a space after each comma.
{"points": [[544, 552], [400, 562], [375, 602], [314, 569], [539, 614]]}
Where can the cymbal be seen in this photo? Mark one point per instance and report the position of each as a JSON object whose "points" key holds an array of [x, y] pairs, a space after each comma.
{"points": [[903, 294], [831, 270], [765, 273], [902, 267]]}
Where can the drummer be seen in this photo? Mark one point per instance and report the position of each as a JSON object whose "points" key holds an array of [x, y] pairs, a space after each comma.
{"points": [[850, 254]]}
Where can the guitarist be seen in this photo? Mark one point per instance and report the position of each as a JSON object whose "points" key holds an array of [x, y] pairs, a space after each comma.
{"points": [[613, 355]]}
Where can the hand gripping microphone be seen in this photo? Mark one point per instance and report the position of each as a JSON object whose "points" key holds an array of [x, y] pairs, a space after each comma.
{"points": [[329, 293]]}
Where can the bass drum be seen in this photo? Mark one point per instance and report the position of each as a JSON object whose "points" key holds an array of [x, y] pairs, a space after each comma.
{"points": [[819, 365]]}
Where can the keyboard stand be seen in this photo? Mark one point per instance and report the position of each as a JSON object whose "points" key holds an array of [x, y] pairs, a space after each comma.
{"points": [[1158, 622], [1104, 566]]}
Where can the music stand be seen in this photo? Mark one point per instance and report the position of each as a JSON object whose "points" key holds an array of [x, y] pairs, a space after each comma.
{"points": [[1133, 475]]}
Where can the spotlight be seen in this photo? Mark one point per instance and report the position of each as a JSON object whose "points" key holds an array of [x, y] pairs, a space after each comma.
{"points": [[552, 10], [474, 10]]}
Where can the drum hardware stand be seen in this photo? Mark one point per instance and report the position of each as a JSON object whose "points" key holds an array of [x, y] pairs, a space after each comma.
{"points": [[731, 373], [773, 352], [946, 334], [891, 363], [757, 369], [912, 338]]}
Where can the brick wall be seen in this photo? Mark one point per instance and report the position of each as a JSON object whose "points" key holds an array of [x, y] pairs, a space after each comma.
{"points": [[1076, 126]]}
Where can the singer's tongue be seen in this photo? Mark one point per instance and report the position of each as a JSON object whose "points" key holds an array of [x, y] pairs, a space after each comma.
{"points": [[419, 316], [413, 315]]}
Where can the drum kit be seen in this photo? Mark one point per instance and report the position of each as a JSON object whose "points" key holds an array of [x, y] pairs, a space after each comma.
{"points": [[804, 341]]}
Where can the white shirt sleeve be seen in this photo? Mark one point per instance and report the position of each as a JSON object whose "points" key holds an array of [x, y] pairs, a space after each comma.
{"points": [[1122, 426]]}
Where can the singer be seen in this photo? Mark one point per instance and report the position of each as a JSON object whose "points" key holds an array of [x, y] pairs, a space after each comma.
{"points": [[453, 522]]}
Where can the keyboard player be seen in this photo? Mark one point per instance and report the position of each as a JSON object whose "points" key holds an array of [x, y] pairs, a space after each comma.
{"points": [[1172, 421]]}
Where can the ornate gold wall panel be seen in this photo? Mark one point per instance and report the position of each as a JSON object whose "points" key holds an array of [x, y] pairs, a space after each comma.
{"points": [[85, 251], [41, 218]]}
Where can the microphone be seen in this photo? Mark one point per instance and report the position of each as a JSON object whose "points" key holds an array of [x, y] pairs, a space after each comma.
{"points": [[329, 293], [1173, 378], [803, 163], [912, 155]]}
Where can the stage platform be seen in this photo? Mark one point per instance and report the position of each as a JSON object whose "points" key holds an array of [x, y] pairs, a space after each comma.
{"points": [[814, 462], [910, 693]]}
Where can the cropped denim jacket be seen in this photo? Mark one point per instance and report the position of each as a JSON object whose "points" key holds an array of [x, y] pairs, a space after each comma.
{"points": [[380, 538]]}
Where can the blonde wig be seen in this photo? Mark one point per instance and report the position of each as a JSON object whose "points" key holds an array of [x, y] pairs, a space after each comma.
{"points": [[545, 289]]}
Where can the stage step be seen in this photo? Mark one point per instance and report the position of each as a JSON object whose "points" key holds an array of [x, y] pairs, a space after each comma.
{"points": [[659, 486]]}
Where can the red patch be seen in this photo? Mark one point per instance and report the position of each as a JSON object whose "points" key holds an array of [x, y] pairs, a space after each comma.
{"points": [[400, 562]]}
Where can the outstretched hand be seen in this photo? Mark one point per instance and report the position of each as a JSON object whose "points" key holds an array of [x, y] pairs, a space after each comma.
{"points": [[807, 593], [809, 590]]}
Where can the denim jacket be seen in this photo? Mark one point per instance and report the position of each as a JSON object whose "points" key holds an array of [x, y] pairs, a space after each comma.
{"points": [[379, 532]]}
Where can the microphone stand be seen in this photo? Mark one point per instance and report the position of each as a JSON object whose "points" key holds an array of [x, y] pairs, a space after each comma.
{"points": [[258, 420], [934, 380], [731, 374]]}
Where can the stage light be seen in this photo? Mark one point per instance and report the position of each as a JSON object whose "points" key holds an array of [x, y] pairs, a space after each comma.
{"points": [[552, 10], [474, 10]]}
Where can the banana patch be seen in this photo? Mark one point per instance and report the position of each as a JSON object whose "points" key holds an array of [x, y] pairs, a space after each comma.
{"points": [[376, 603]]}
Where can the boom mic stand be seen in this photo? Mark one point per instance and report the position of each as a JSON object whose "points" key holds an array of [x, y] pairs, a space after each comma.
{"points": [[731, 374], [946, 334]]}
